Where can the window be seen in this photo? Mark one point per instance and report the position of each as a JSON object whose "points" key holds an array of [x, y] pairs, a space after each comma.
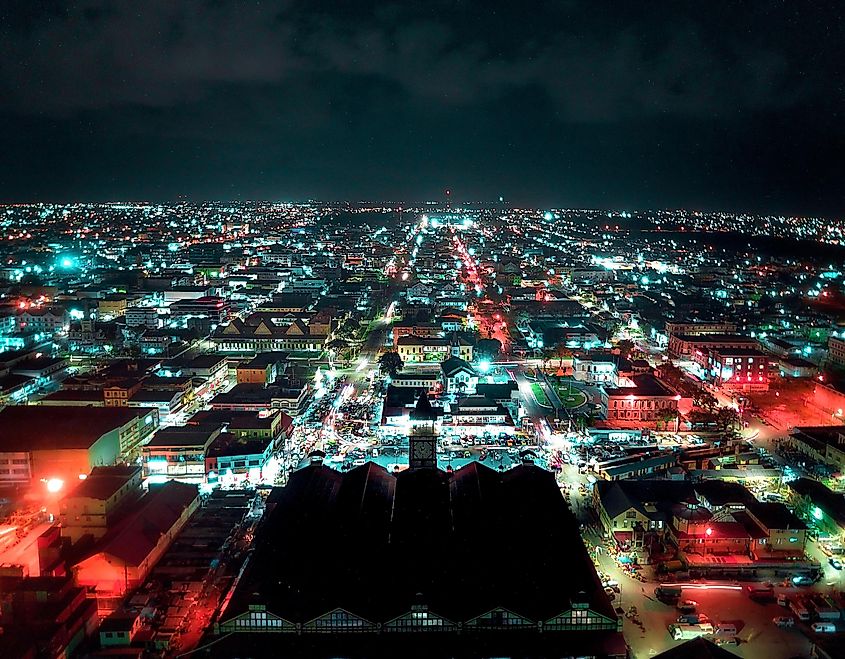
{"points": [[338, 621]]}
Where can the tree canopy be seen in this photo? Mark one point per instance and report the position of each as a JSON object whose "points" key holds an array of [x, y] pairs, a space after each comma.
{"points": [[390, 363]]}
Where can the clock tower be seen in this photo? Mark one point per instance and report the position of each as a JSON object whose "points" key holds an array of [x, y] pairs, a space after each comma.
{"points": [[422, 453]]}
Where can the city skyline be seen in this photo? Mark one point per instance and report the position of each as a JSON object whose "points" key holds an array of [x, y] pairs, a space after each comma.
{"points": [[715, 107], [455, 328]]}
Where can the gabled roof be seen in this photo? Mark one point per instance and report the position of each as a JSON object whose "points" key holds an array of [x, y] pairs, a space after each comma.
{"points": [[619, 496], [132, 541], [455, 365], [423, 528], [697, 648]]}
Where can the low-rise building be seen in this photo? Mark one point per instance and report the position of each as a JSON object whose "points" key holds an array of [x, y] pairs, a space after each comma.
{"points": [[44, 617], [119, 629], [836, 351], [824, 444], [697, 347], [819, 503], [412, 348], [479, 410], [700, 520], [123, 558], [596, 369], [90, 507], [264, 368], [60, 444], [142, 317], [179, 452], [424, 380], [643, 405], [237, 460], [699, 328], [238, 337], [738, 369], [459, 377]]}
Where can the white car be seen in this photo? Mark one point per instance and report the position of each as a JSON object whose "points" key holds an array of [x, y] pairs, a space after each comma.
{"points": [[823, 627]]}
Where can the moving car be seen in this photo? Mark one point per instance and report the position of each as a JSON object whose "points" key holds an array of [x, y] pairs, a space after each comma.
{"points": [[835, 563]]}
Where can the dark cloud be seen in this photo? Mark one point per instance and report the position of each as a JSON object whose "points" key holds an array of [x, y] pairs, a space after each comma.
{"points": [[302, 93]]}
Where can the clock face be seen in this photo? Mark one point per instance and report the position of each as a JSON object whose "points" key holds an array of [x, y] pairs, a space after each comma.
{"points": [[422, 450]]}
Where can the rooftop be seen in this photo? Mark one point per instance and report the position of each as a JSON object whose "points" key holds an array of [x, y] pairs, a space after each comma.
{"points": [[716, 338], [103, 482], [37, 427], [644, 385], [136, 536], [194, 435], [424, 528]]}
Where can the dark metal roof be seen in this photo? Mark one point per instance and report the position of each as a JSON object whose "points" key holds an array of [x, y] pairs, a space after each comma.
{"points": [[374, 543]]}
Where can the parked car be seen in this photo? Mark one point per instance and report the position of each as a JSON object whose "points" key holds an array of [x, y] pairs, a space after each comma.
{"points": [[823, 627], [687, 606], [693, 619], [726, 629], [835, 563]]}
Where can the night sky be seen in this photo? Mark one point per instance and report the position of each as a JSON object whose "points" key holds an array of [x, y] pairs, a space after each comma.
{"points": [[629, 105]]}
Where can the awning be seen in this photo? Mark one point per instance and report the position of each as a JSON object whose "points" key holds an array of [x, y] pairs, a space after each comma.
{"points": [[623, 536]]}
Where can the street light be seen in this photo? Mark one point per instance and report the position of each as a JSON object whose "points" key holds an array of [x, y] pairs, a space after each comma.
{"points": [[54, 485]]}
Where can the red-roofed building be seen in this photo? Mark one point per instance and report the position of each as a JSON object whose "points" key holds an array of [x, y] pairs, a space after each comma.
{"points": [[127, 553]]}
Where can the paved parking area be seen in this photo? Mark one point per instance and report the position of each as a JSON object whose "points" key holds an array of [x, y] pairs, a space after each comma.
{"points": [[758, 635]]}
